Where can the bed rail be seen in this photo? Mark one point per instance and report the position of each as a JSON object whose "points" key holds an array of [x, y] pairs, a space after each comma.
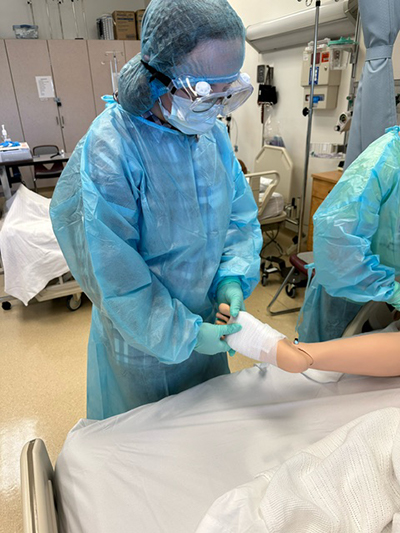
{"points": [[38, 504]]}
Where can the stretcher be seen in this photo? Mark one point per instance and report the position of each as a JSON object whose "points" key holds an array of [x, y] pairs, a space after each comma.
{"points": [[31, 262], [63, 286]]}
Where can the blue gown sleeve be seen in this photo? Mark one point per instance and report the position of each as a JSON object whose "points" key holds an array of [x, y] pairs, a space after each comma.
{"points": [[96, 217], [346, 229], [241, 255]]}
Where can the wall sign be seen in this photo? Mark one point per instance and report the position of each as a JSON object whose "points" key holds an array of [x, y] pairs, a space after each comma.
{"points": [[45, 87]]}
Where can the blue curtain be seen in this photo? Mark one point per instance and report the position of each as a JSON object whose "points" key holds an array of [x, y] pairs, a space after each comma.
{"points": [[375, 108]]}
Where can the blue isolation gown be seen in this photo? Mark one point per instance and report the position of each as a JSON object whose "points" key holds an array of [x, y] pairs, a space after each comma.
{"points": [[356, 242], [150, 221]]}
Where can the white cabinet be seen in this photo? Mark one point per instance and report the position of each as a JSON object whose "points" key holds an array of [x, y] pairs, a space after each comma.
{"points": [[105, 57], [51, 90], [73, 86], [8, 106], [9, 114], [29, 59], [131, 49]]}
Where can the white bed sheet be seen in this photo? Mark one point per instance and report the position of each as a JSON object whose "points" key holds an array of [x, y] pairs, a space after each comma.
{"points": [[159, 468], [347, 482], [274, 206], [29, 249]]}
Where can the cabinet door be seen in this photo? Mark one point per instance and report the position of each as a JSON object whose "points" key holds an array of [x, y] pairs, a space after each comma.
{"points": [[73, 84], [9, 115], [39, 116], [102, 55], [131, 49], [8, 105]]}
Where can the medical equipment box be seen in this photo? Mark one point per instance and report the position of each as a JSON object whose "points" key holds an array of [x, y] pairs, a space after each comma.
{"points": [[18, 153], [326, 80], [124, 25], [139, 17], [105, 27], [26, 31]]}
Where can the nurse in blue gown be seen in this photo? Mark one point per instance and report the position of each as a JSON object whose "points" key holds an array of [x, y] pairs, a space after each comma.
{"points": [[154, 215]]}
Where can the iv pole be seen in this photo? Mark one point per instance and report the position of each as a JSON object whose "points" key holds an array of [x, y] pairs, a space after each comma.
{"points": [[49, 19], [59, 2], [308, 112], [84, 19], [75, 19], [29, 2], [353, 72]]}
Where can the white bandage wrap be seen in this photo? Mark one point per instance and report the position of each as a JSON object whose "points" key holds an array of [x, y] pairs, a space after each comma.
{"points": [[255, 339]]}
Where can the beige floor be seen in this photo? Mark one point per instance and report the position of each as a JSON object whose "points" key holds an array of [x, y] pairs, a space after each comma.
{"points": [[43, 376]]}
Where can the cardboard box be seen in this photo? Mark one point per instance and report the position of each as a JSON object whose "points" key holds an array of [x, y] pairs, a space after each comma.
{"points": [[139, 17], [124, 25]]}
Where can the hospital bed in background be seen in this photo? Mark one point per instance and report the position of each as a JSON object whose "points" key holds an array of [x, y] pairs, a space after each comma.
{"points": [[30, 256], [278, 159], [161, 466], [63, 286], [271, 183]]}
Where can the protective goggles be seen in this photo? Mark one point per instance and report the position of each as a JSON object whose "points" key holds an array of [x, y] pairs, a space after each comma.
{"points": [[206, 94]]}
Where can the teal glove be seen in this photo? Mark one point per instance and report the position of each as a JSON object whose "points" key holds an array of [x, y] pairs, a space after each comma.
{"points": [[395, 299], [209, 338], [230, 292]]}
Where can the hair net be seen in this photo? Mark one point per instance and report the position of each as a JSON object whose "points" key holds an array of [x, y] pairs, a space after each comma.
{"points": [[203, 40]]}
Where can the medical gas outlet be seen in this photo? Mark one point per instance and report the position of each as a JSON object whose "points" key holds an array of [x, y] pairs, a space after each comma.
{"points": [[327, 81]]}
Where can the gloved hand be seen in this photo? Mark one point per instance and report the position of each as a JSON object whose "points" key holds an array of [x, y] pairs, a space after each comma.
{"points": [[230, 292], [209, 338], [395, 299]]}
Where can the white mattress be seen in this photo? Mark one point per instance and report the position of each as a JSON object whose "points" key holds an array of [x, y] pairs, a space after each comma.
{"points": [[160, 467]]}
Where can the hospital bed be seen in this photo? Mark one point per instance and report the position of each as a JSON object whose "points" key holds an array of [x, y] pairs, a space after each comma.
{"points": [[271, 183], [32, 258], [63, 286], [161, 466]]}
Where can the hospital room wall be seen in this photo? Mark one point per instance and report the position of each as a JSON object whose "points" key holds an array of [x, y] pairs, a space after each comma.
{"points": [[293, 125], [18, 12]]}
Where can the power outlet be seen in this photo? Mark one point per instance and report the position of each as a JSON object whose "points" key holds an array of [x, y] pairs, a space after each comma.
{"points": [[261, 74]]}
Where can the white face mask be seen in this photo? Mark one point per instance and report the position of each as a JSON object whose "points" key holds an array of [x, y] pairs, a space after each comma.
{"points": [[186, 120]]}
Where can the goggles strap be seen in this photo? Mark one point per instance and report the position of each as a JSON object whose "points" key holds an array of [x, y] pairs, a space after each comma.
{"points": [[155, 74]]}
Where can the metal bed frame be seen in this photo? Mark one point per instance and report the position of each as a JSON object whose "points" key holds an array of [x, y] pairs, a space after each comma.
{"points": [[64, 285], [38, 503]]}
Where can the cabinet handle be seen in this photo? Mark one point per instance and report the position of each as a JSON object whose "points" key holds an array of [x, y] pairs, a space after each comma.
{"points": [[62, 121], [58, 122]]}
